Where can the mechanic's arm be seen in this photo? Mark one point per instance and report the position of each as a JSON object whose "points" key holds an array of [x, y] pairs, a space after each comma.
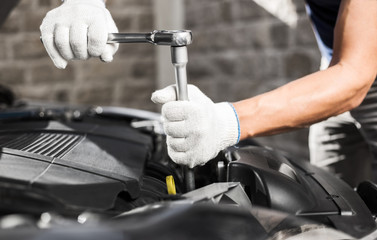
{"points": [[199, 128], [78, 29], [323, 94]]}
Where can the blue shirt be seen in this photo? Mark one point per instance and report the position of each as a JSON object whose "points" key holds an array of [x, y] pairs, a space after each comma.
{"points": [[323, 14]]}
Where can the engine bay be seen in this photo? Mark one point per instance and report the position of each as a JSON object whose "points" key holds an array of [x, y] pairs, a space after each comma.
{"points": [[104, 169]]}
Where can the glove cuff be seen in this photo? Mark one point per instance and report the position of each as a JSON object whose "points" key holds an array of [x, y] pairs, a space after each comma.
{"points": [[229, 126]]}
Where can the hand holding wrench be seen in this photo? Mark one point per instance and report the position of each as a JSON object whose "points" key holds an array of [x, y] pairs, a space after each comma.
{"points": [[178, 40]]}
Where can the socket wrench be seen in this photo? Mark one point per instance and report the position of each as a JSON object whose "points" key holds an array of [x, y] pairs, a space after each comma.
{"points": [[178, 40]]}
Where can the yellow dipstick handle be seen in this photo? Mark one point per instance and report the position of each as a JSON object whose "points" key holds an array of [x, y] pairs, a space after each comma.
{"points": [[170, 185]]}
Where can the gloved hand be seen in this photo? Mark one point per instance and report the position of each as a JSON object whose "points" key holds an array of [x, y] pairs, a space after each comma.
{"points": [[78, 29], [198, 129]]}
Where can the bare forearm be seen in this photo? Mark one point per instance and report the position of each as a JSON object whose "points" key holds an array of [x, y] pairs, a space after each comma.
{"points": [[302, 102], [323, 94]]}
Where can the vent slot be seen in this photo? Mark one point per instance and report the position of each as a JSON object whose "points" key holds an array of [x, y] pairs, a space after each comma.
{"points": [[47, 144]]}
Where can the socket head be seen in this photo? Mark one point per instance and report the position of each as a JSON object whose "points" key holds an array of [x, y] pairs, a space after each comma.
{"points": [[174, 38]]}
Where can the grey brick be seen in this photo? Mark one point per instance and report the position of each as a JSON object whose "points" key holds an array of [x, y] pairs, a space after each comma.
{"points": [[259, 66], [95, 94], [44, 3], [50, 74], [220, 40], [32, 20], [28, 47], [24, 5], [206, 85], [304, 34], [248, 10], [12, 24], [144, 69], [136, 50], [279, 35], [145, 22], [138, 95], [199, 67], [106, 72], [297, 64], [201, 42], [3, 49], [12, 75], [129, 3], [124, 22], [34, 92], [62, 95], [192, 21], [231, 90], [227, 11], [225, 65], [254, 36], [207, 15]]}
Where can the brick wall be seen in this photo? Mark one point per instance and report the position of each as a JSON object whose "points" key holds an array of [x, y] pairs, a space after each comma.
{"points": [[239, 50]]}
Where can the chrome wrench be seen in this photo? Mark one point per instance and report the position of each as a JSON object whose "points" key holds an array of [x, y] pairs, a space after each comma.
{"points": [[178, 40]]}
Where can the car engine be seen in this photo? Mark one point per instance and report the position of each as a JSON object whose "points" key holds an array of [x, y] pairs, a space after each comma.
{"points": [[95, 172]]}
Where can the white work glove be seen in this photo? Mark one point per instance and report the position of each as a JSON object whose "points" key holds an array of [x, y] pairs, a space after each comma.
{"points": [[198, 129], [78, 29]]}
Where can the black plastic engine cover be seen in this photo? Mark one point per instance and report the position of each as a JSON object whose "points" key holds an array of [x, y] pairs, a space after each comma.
{"points": [[71, 165], [273, 181]]}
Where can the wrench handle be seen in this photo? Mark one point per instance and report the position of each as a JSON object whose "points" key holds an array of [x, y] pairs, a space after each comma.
{"points": [[175, 38], [129, 38]]}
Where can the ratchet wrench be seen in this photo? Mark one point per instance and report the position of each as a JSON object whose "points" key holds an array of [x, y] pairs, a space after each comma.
{"points": [[178, 40]]}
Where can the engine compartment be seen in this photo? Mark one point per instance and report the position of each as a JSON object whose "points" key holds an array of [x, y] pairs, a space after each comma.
{"points": [[106, 166]]}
